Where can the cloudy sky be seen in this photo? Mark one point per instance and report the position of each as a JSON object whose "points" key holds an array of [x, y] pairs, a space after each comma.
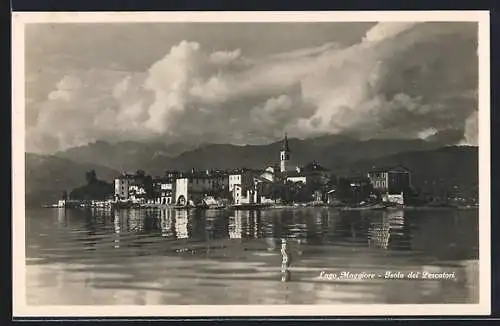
{"points": [[247, 82]]}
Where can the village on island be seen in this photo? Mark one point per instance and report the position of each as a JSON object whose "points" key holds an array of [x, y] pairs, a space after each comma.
{"points": [[278, 185]]}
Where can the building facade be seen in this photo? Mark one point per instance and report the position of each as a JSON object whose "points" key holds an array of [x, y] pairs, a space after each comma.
{"points": [[164, 191], [390, 180], [242, 187], [312, 172], [391, 183], [122, 187], [193, 187]]}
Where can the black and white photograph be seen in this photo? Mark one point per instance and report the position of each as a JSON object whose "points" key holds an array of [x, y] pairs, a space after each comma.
{"points": [[251, 163]]}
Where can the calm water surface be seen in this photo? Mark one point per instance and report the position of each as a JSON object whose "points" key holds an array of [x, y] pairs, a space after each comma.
{"points": [[138, 257]]}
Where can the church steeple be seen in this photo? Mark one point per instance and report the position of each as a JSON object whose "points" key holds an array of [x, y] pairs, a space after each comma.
{"points": [[284, 154], [284, 145]]}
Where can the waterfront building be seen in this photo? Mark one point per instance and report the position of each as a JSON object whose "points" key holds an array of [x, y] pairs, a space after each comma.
{"points": [[391, 183], [122, 187], [164, 189], [242, 186], [194, 186], [137, 193]]}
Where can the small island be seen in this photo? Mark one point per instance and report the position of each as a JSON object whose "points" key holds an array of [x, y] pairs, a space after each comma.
{"points": [[277, 186]]}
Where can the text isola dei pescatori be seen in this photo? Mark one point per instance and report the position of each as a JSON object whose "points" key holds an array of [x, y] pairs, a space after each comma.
{"points": [[388, 275]]}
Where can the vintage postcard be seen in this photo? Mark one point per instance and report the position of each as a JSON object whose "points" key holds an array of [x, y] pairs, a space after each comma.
{"points": [[251, 164]]}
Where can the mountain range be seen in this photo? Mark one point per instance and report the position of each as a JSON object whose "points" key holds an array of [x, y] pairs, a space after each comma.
{"points": [[47, 176]]}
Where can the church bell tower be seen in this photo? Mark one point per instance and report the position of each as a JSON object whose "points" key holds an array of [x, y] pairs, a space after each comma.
{"points": [[284, 155]]}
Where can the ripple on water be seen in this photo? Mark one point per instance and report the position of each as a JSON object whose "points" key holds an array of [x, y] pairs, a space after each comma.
{"points": [[83, 259]]}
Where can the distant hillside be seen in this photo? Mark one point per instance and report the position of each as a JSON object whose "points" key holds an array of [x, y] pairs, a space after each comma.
{"points": [[156, 157], [329, 154], [436, 170], [123, 156], [48, 176]]}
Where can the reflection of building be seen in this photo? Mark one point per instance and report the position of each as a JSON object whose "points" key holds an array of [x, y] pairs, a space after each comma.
{"points": [[268, 230], [391, 232], [117, 229], [136, 219], [256, 218], [378, 234], [61, 215], [181, 224], [235, 225], [166, 222]]}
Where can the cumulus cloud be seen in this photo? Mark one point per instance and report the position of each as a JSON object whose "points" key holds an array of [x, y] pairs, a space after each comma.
{"points": [[225, 57], [400, 80], [471, 132], [383, 31]]}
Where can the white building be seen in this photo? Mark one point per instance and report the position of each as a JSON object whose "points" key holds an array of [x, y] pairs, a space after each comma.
{"points": [[164, 191], [297, 177], [122, 185], [181, 191], [195, 186], [137, 193], [242, 187]]}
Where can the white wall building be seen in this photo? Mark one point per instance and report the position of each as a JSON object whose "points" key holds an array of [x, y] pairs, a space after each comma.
{"points": [[122, 188], [164, 191], [195, 187], [181, 191], [242, 187], [297, 178], [137, 193]]}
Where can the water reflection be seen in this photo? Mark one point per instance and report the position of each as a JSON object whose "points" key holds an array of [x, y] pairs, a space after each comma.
{"points": [[234, 257], [117, 229], [166, 217], [181, 224], [391, 231]]}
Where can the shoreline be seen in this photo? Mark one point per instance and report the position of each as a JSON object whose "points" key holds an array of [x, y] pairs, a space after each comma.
{"points": [[273, 207]]}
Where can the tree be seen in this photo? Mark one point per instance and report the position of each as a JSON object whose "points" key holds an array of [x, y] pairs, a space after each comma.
{"points": [[148, 185], [91, 176], [64, 195]]}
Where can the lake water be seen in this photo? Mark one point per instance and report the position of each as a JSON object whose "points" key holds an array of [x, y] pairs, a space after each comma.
{"points": [[147, 257]]}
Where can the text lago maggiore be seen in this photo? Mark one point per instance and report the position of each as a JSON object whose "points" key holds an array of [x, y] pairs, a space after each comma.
{"points": [[389, 275]]}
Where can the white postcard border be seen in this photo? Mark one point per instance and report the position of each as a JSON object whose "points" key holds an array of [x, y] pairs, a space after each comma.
{"points": [[21, 309]]}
